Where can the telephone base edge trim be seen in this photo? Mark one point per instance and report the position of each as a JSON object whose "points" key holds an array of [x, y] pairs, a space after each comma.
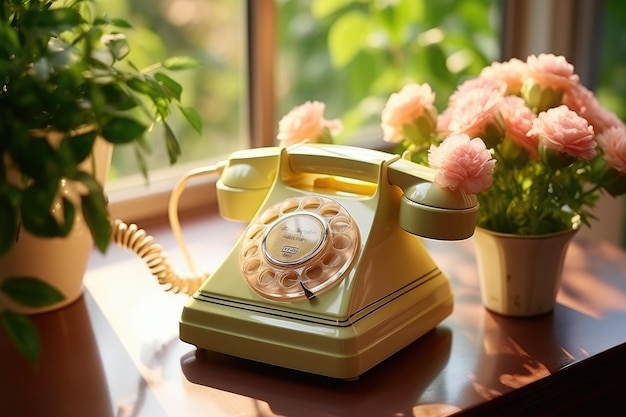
{"points": [[344, 353]]}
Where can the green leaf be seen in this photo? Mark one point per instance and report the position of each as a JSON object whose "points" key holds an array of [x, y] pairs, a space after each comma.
{"points": [[35, 210], [68, 217], [35, 157], [161, 108], [192, 117], [98, 221], [147, 86], [122, 130], [53, 20], [79, 146], [23, 334], [140, 158], [121, 23], [347, 37], [94, 208], [324, 8], [172, 86], [177, 63], [10, 38], [118, 98], [173, 147], [31, 292]]}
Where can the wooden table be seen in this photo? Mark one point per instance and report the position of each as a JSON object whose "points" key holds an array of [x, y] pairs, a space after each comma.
{"points": [[116, 352]]}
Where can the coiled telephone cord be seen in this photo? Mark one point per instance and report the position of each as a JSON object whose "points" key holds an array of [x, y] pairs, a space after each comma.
{"points": [[137, 240], [141, 243]]}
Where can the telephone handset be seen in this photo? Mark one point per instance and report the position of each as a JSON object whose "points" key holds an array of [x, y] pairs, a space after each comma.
{"points": [[247, 176], [330, 276]]}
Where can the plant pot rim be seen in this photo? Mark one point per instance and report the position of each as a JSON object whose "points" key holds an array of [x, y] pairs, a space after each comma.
{"points": [[576, 223]]}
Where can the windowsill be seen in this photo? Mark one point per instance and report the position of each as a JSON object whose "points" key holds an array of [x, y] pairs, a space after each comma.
{"points": [[135, 200]]}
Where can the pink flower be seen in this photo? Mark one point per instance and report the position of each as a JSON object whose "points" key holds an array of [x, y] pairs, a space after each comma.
{"points": [[613, 142], [563, 130], [306, 121], [483, 83], [585, 103], [518, 119], [462, 163], [476, 113], [511, 72], [547, 79], [409, 110], [549, 70]]}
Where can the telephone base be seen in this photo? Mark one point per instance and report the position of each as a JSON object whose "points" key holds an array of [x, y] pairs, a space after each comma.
{"points": [[343, 350]]}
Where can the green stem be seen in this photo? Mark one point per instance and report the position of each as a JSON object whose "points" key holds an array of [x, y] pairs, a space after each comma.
{"points": [[151, 68], [590, 191]]}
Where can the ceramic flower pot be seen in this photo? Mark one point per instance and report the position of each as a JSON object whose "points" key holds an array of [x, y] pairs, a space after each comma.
{"points": [[520, 275], [60, 262]]}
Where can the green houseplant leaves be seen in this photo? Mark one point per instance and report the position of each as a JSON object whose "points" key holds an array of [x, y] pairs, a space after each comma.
{"points": [[65, 70]]}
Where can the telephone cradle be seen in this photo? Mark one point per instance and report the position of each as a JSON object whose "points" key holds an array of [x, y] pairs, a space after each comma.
{"points": [[330, 276]]}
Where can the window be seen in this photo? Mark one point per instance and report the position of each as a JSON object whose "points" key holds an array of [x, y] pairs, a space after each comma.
{"points": [[351, 55], [214, 33]]}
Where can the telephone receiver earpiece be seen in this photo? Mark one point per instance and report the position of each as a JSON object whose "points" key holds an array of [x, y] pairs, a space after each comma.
{"points": [[428, 210]]}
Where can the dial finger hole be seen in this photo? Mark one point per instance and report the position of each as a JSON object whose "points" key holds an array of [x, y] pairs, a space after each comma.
{"points": [[342, 242], [269, 215], [250, 266], [340, 224], [249, 250], [266, 277], [255, 231], [331, 259], [288, 279], [314, 273], [311, 203], [330, 210], [289, 206]]}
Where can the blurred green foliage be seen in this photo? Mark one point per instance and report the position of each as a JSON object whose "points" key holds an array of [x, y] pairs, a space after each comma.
{"points": [[611, 87], [213, 33], [611, 83], [353, 54]]}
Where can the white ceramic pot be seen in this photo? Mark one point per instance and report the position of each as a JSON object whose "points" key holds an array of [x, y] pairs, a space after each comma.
{"points": [[61, 262], [520, 275]]}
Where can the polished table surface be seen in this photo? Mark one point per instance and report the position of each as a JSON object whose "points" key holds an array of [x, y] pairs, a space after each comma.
{"points": [[116, 351]]}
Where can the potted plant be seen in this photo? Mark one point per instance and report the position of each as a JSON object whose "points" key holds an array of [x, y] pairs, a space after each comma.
{"points": [[553, 150], [66, 86]]}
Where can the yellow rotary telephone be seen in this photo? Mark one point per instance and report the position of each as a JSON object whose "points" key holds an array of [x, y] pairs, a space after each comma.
{"points": [[330, 276]]}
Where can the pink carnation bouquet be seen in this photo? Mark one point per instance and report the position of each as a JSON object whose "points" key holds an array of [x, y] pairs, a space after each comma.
{"points": [[527, 137]]}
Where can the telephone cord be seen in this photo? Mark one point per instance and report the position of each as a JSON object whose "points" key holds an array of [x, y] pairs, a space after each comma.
{"points": [[141, 243], [137, 240]]}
